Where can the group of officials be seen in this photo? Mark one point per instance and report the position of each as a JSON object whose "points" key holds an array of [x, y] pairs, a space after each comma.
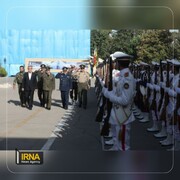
{"points": [[73, 81], [147, 92]]}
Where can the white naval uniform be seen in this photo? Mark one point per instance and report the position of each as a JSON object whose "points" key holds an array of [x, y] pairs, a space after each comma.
{"points": [[152, 86], [122, 96], [177, 128], [172, 101]]}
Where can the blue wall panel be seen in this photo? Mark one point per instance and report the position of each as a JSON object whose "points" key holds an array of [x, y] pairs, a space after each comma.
{"points": [[16, 45]]}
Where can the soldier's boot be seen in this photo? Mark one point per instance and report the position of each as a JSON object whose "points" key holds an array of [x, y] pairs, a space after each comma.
{"points": [[154, 127], [114, 147], [110, 135], [177, 145], [109, 142], [145, 119], [168, 141], [162, 133]]}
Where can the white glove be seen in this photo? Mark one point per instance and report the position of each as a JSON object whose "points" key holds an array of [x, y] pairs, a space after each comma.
{"points": [[102, 83]]}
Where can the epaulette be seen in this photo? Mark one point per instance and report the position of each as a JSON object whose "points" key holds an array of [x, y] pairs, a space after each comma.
{"points": [[126, 74]]}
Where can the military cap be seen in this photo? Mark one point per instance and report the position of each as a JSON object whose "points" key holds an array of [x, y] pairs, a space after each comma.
{"points": [[164, 62], [112, 56], [48, 68], [155, 63], [144, 64], [174, 62], [82, 66], [43, 66], [120, 56], [64, 68]]}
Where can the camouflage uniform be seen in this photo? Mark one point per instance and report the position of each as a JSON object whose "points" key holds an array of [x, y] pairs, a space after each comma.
{"points": [[18, 79], [48, 87], [39, 75]]}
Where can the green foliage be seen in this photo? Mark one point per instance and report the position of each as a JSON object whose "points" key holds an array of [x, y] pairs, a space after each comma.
{"points": [[3, 72], [145, 45], [153, 45], [101, 40]]}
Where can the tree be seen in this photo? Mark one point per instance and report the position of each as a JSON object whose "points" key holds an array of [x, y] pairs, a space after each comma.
{"points": [[101, 40], [154, 45], [144, 45]]}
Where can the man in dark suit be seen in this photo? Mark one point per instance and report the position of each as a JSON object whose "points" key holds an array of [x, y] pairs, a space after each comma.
{"points": [[28, 86]]}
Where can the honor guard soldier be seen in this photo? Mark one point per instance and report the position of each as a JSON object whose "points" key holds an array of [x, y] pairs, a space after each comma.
{"points": [[143, 91], [171, 90], [18, 79], [65, 86], [48, 86], [122, 99], [39, 74], [83, 86], [153, 100], [163, 78]]}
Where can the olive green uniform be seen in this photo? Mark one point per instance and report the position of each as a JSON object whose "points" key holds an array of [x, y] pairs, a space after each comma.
{"points": [[18, 79], [48, 87], [83, 86], [39, 76]]}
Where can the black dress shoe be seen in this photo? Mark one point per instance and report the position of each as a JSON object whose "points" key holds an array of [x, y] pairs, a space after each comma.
{"points": [[30, 108]]}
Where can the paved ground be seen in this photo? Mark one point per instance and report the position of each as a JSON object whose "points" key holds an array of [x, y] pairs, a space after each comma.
{"points": [[23, 128], [71, 130]]}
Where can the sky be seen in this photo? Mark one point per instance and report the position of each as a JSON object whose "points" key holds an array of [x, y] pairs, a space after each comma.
{"points": [[43, 14]]}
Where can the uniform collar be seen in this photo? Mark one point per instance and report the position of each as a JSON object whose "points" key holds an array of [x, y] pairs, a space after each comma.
{"points": [[123, 71]]}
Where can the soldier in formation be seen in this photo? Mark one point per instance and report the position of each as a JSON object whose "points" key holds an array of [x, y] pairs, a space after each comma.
{"points": [[39, 74], [83, 80], [18, 80], [48, 82], [74, 90], [156, 101], [65, 86]]}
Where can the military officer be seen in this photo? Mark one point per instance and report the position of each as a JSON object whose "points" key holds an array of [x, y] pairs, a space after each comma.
{"points": [[65, 86], [83, 85], [74, 91], [122, 99], [39, 74], [18, 79], [48, 82]]}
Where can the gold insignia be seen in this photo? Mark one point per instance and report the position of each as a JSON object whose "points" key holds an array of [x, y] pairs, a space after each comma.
{"points": [[126, 86], [126, 74]]}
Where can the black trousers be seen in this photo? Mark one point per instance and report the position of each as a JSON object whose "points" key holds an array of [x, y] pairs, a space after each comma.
{"points": [[65, 98], [74, 91], [41, 96], [29, 95], [21, 94], [82, 97]]}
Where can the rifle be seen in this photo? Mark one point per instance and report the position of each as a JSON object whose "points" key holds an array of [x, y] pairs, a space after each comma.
{"points": [[175, 117], [161, 90], [153, 105], [100, 111], [105, 128], [148, 89], [166, 97]]}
